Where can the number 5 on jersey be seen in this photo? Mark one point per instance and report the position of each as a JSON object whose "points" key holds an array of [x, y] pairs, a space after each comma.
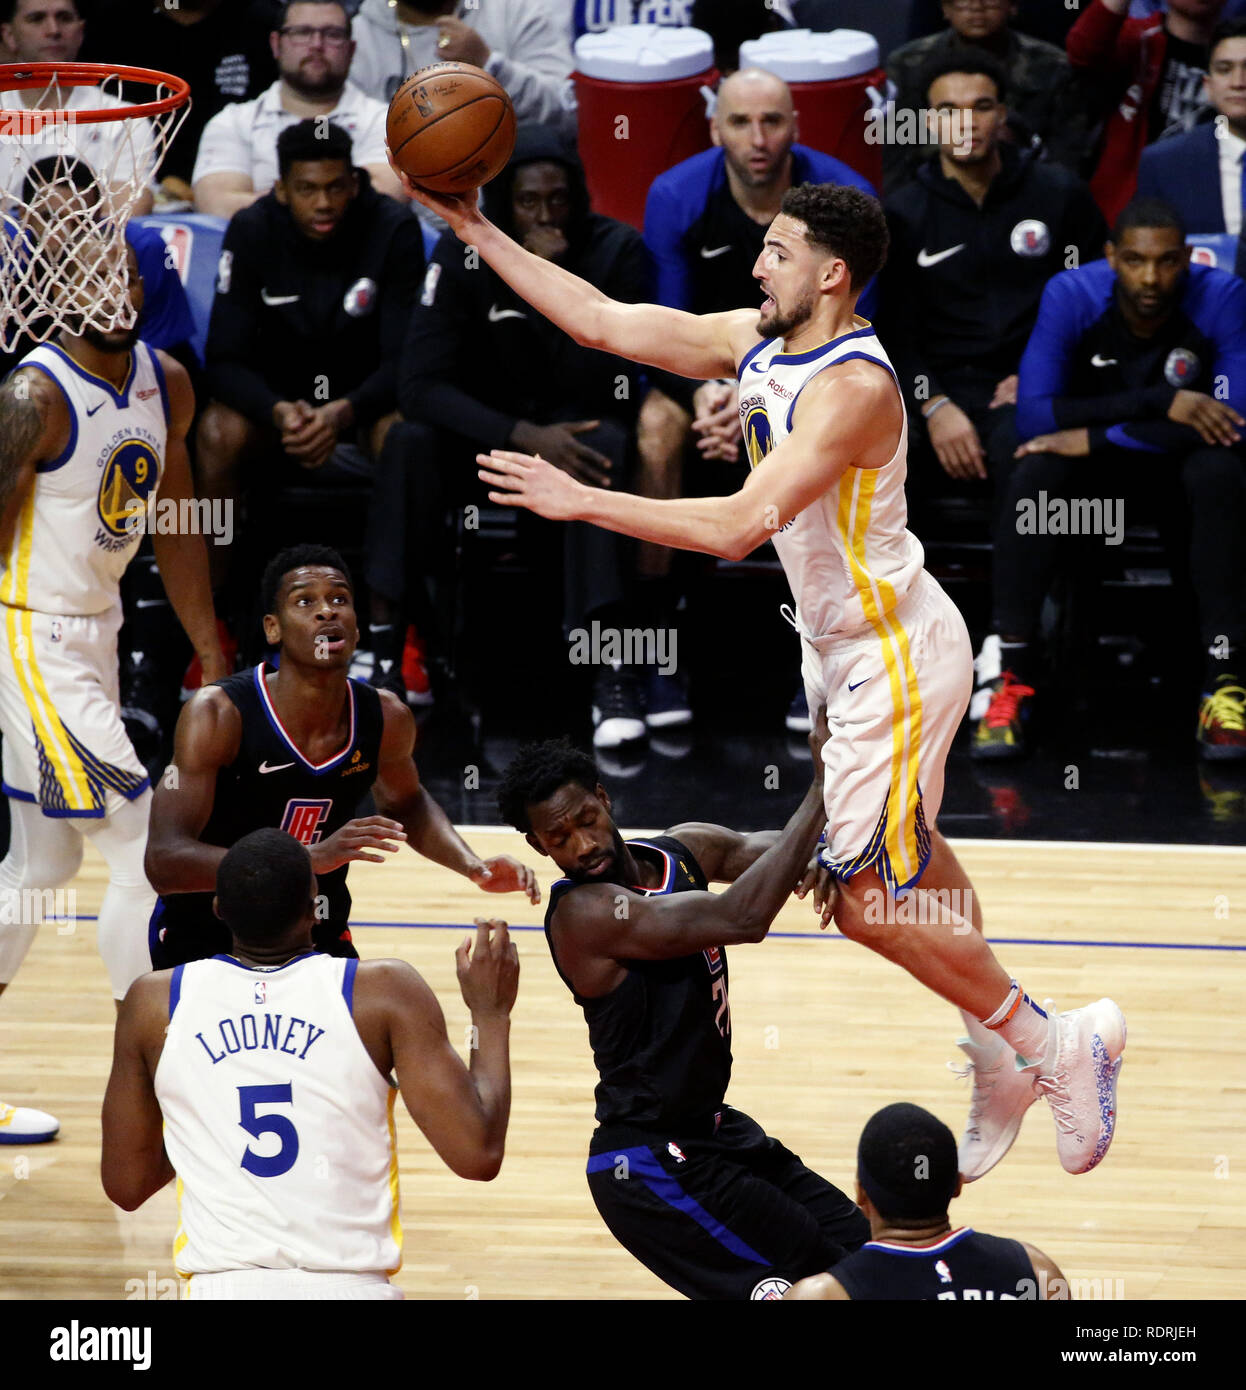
{"points": [[270, 1165]]}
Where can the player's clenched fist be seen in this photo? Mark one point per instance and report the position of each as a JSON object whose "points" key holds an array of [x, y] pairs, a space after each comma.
{"points": [[354, 840], [488, 969]]}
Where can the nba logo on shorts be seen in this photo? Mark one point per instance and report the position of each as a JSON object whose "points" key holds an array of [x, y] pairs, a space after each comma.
{"points": [[57, 630], [303, 818]]}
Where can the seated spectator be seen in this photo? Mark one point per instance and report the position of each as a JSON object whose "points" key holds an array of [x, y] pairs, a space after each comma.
{"points": [[1121, 405], [120, 152], [525, 44], [975, 237], [1151, 74], [480, 370], [1199, 174], [705, 221], [906, 1179], [1044, 101], [315, 285], [1040, 18], [237, 160], [221, 47]]}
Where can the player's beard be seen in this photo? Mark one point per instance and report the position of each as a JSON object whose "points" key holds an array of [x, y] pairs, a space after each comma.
{"points": [[779, 325], [611, 874], [119, 340]]}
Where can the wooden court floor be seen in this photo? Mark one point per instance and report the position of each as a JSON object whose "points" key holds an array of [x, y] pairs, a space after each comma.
{"points": [[824, 1034]]}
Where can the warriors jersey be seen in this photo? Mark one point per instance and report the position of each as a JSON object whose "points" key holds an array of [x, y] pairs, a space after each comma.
{"points": [[661, 1038], [271, 783], [848, 556], [84, 516], [276, 1120], [964, 1264]]}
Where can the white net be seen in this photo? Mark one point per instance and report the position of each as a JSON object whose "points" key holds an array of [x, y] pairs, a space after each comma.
{"points": [[69, 182]]}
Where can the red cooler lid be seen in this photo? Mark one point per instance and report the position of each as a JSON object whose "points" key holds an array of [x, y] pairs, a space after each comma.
{"points": [[804, 55], [644, 53]]}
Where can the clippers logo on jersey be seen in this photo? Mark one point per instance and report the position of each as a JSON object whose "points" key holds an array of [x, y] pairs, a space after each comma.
{"points": [[360, 298], [758, 438], [1181, 367], [944, 1273], [303, 820], [714, 959], [1030, 238], [769, 1290], [129, 472]]}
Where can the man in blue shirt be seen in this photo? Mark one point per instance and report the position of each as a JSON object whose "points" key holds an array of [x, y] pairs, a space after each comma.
{"points": [[705, 221], [1132, 391]]}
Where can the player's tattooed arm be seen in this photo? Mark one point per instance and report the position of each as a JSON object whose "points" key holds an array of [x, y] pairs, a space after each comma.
{"points": [[400, 795], [34, 427], [133, 1161], [208, 736]]}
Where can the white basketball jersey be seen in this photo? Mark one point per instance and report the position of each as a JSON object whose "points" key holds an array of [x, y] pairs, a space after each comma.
{"points": [[848, 556], [277, 1122], [83, 518]]}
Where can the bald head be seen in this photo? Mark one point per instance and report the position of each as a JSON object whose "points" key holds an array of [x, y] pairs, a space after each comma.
{"points": [[755, 124]]}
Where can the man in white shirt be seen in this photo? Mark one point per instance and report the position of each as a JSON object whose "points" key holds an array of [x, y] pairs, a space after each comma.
{"points": [[1199, 174], [121, 153], [237, 160]]}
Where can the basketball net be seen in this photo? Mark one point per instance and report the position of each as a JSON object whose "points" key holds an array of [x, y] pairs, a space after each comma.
{"points": [[72, 169]]}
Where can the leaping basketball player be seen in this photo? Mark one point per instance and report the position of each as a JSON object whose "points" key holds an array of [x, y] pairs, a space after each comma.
{"points": [[92, 424], [886, 652]]}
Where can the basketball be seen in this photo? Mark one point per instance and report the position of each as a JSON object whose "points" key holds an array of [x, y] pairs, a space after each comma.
{"points": [[451, 127]]}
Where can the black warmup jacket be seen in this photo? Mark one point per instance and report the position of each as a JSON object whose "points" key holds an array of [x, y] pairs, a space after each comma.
{"points": [[962, 284], [297, 319]]}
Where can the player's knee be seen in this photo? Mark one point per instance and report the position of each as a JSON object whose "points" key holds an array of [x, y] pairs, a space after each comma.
{"points": [[45, 866], [662, 431], [856, 909], [224, 435]]}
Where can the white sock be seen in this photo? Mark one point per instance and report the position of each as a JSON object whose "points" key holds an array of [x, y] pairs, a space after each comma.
{"points": [[121, 837], [1022, 1025]]}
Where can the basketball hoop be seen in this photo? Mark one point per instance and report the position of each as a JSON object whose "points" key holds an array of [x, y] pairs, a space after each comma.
{"points": [[71, 172]]}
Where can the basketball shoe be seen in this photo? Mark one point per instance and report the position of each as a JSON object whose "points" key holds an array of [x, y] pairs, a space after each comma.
{"points": [[1001, 732], [20, 1125], [1001, 1096], [1078, 1075], [1222, 721]]}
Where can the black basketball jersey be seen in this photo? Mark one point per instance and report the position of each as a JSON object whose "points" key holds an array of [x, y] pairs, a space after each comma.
{"points": [[271, 783], [661, 1038], [964, 1264]]}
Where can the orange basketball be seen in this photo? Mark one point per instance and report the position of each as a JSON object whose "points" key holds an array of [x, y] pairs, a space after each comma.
{"points": [[451, 127]]}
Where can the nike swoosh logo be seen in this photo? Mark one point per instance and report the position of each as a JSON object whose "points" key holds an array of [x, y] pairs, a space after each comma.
{"points": [[98, 407], [1097, 361], [279, 767], [756, 368], [926, 258], [708, 253], [859, 683], [496, 315], [274, 299]]}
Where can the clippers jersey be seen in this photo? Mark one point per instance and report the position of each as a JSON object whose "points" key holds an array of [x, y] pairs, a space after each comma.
{"points": [[964, 1264], [848, 556], [270, 783], [84, 516], [277, 1121], [661, 1038]]}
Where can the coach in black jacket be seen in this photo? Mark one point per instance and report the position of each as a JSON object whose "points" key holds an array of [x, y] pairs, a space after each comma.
{"points": [[975, 236], [481, 369], [313, 294]]}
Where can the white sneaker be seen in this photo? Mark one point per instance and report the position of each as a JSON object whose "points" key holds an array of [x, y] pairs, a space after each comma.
{"points": [[1001, 1096], [1078, 1077], [19, 1125], [618, 715]]}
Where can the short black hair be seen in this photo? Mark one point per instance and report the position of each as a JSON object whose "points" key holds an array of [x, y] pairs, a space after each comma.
{"points": [[536, 772], [848, 223], [56, 168], [1147, 212], [343, 5], [1227, 29], [965, 61], [907, 1164], [8, 10], [312, 140], [294, 557], [264, 885]]}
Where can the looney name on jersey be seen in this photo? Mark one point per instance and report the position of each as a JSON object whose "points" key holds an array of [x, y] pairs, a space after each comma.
{"points": [[265, 1034]]}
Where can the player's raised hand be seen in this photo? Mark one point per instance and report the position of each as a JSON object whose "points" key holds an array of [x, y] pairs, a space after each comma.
{"points": [[502, 874], [488, 969], [523, 480], [459, 210], [354, 840]]}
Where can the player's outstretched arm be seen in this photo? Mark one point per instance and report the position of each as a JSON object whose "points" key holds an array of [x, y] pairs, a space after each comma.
{"points": [[133, 1163], [34, 427], [463, 1111], [400, 795], [693, 345], [181, 553], [208, 734]]}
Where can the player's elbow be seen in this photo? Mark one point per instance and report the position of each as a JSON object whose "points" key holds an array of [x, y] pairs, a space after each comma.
{"points": [[155, 867], [482, 1166], [738, 541], [120, 1187]]}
